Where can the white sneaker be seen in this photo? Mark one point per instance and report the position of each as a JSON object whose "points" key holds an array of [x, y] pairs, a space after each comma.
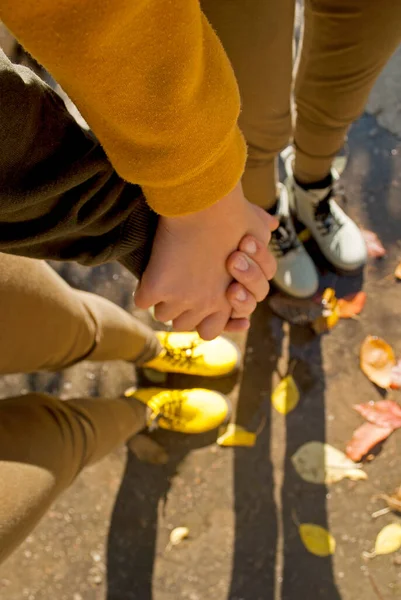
{"points": [[337, 236], [296, 274]]}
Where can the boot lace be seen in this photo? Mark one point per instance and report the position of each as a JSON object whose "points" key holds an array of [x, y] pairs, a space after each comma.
{"points": [[183, 356], [167, 406], [284, 238], [327, 221]]}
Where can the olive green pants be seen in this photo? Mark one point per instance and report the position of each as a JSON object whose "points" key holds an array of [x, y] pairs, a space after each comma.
{"points": [[45, 442], [345, 45]]}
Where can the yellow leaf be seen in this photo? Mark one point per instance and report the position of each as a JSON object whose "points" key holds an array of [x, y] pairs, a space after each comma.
{"points": [[235, 435], [377, 360], [388, 540], [304, 236], [397, 272], [177, 535], [321, 463], [286, 395], [330, 313], [317, 540]]}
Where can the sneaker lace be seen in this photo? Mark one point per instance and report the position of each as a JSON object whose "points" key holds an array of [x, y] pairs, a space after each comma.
{"points": [[327, 220], [168, 406], [284, 238], [181, 356]]}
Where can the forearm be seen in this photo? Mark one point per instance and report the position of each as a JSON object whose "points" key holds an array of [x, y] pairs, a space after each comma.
{"points": [[60, 198], [154, 84]]}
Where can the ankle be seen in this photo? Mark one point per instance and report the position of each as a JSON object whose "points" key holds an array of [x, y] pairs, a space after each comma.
{"points": [[321, 184]]}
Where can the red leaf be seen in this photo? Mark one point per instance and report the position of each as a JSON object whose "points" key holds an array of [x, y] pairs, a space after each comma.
{"points": [[351, 305], [384, 413], [374, 245], [366, 437], [396, 376]]}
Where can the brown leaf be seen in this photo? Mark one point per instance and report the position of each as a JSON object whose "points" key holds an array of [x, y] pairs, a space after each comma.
{"points": [[296, 312], [393, 501], [377, 361], [396, 376], [397, 272], [366, 437], [321, 313], [351, 305], [374, 245], [384, 413]]}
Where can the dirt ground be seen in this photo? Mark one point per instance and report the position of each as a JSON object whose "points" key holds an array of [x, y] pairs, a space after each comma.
{"points": [[106, 538]]}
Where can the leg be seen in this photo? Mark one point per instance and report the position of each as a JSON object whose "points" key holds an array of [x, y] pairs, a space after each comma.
{"points": [[45, 324], [257, 37], [44, 444], [346, 44]]}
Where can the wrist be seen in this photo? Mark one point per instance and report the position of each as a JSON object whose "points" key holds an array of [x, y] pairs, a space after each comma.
{"points": [[209, 216]]}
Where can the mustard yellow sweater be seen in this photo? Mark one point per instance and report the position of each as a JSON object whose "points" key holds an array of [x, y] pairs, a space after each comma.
{"points": [[152, 80]]}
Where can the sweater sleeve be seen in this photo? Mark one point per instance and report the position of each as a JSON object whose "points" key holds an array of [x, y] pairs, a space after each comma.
{"points": [[152, 80], [60, 197]]}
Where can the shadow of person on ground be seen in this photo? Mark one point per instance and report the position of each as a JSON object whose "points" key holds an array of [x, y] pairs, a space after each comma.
{"points": [[269, 558], [131, 550]]}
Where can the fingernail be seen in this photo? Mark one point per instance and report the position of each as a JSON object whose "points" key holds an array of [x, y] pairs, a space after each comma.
{"points": [[241, 295], [250, 247], [241, 263]]}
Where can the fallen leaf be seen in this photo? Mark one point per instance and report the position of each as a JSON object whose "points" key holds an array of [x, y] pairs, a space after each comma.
{"points": [[235, 435], [285, 397], [366, 437], [330, 312], [304, 236], [293, 310], [393, 500], [384, 413], [374, 245], [383, 418], [397, 272], [320, 313], [377, 361], [317, 540], [318, 463], [177, 535], [396, 376], [387, 541], [351, 305], [147, 450]]}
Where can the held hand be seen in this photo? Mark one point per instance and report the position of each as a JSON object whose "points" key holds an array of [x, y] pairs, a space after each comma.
{"points": [[251, 283], [187, 278]]}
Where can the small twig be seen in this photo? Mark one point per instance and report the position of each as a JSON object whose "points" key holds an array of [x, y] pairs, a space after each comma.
{"points": [[381, 512], [295, 517], [261, 426]]}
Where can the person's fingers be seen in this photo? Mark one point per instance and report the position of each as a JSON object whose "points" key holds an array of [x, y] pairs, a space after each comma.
{"points": [[246, 271], [213, 325], [241, 301], [147, 293], [187, 321], [260, 254], [142, 298], [165, 311], [268, 219], [237, 325]]}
